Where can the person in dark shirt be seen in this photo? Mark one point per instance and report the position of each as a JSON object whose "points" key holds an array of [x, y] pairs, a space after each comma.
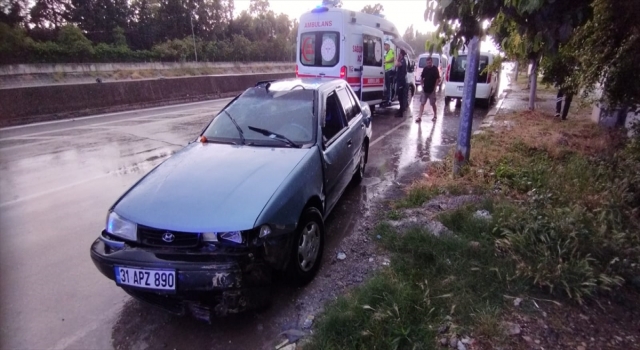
{"points": [[430, 78], [401, 83]]}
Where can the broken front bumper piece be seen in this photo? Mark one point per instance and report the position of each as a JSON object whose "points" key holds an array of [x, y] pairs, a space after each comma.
{"points": [[212, 281]]}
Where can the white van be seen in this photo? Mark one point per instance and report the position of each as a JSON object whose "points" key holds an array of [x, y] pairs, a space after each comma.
{"points": [[339, 43], [488, 82], [440, 61]]}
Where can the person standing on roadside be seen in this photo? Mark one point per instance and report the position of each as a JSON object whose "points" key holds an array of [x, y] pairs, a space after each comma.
{"points": [[558, 70], [567, 96], [430, 78], [402, 87], [389, 64]]}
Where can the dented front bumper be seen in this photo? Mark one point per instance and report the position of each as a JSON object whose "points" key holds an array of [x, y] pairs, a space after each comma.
{"points": [[210, 281]]}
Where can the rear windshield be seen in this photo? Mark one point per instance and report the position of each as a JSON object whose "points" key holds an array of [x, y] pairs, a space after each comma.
{"points": [[423, 61], [319, 49], [459, 65]]}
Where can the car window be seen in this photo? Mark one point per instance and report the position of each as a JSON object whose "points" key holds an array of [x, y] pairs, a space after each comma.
{"points": [[356, 103], [289, 113], [335, 120], [346, 103], [459, 66], [423, 61]]}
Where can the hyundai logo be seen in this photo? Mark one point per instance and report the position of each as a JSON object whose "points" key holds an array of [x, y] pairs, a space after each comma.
{"points": [[168, 237]]}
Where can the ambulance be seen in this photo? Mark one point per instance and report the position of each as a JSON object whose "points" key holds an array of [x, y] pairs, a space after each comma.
{"points": [[344, 44]]}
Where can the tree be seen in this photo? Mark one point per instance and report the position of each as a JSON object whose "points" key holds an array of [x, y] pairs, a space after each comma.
{"points": [[99, 18], [258, 7], [374, 10], [530, 29], [525, 28], [49, 14], [12, 12], [74, 43], [607, 48]]}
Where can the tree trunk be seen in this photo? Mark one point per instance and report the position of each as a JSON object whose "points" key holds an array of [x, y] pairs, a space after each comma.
{"points": [[533, 83], [463, 148], [515, 78]]}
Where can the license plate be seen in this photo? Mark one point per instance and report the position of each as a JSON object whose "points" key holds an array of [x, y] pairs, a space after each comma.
{"points": [[145, 278], [460, 88]]}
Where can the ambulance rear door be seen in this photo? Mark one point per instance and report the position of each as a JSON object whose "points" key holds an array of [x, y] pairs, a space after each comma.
{"points": [[372, 80], [321, 45]]}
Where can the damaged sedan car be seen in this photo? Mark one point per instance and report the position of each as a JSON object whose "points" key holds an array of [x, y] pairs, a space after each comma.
{"points": [[204, 231]]}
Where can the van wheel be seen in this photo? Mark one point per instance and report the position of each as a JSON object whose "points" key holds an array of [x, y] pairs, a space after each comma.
{"points": [[447, 100], [307, 247], [485, 102]]}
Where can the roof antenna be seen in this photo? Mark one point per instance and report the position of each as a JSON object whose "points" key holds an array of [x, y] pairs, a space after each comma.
{"points": [[267, 86]]}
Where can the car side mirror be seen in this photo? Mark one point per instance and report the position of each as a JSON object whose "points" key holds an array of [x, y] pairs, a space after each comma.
{"points": [[366, 113]]}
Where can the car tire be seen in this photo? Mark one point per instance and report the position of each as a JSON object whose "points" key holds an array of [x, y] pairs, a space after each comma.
{"points": [[447, 100], [362, 163], [309, 233]]}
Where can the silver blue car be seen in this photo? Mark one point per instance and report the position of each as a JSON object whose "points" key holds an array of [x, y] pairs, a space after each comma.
{"points": [[203, 232]]}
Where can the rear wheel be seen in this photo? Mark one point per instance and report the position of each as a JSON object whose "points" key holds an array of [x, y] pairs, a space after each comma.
{"points": [[447, 100], [307, 247]]}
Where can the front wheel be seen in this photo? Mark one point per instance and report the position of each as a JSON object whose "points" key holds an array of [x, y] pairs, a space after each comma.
{"points": [[307, 247]]}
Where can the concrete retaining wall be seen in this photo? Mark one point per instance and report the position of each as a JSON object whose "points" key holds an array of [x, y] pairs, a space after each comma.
{"points": [[30, 104], [49, 68]]}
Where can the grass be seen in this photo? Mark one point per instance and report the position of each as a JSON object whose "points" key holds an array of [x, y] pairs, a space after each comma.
{"points": [[431, 282], [565, 204]]}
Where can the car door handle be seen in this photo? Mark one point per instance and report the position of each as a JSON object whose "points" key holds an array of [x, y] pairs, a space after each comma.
{"points": [[382, 73], [349, 143], [361, 126]]}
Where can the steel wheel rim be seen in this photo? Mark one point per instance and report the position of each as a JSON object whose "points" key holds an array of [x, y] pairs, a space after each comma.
{"points": [[309, 246]]}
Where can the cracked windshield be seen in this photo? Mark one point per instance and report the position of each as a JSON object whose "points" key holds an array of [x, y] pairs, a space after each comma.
{"points": [[319, 174]]}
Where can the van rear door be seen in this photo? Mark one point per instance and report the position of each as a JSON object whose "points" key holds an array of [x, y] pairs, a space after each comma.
{"points": [[321, 46], [372, 81]]}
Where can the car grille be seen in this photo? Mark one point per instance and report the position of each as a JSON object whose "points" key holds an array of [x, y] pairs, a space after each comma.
{"points": [[154, 238]]}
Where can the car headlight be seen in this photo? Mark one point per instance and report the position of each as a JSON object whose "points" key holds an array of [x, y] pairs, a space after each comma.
{"points": [[118, 226], [232, 236]]}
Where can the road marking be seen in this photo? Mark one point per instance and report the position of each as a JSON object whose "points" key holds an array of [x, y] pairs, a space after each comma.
{"points": [[103, 123], [97, 131], [36, 195], [109, 114], [388, 133]]}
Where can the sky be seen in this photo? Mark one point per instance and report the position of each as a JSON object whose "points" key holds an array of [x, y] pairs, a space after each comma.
{"points": [[402, 13]]}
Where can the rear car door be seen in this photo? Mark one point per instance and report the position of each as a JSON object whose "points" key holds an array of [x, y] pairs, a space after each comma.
{"points": [[336, 149], [372, 66], [355, 129]]}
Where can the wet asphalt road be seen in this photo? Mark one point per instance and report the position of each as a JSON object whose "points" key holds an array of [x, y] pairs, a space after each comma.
{"points": [[57, 181]]}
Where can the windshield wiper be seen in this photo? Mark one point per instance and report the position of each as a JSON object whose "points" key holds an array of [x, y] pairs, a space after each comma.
{"points": [[237, 126], [274, 135]]}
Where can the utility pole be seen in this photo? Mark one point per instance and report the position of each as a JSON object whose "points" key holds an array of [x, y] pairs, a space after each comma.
{"points": [[463, 148], [195, 49]]}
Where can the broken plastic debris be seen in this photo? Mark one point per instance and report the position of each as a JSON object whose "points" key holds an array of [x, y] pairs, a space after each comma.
{"points": [[308, 322]]}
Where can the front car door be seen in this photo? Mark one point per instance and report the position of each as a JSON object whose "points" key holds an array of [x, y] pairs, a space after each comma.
{"points": [[336, 149]]}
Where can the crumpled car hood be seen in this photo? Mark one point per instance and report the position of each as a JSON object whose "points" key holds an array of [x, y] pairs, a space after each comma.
{"points": [[209, 187]]}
